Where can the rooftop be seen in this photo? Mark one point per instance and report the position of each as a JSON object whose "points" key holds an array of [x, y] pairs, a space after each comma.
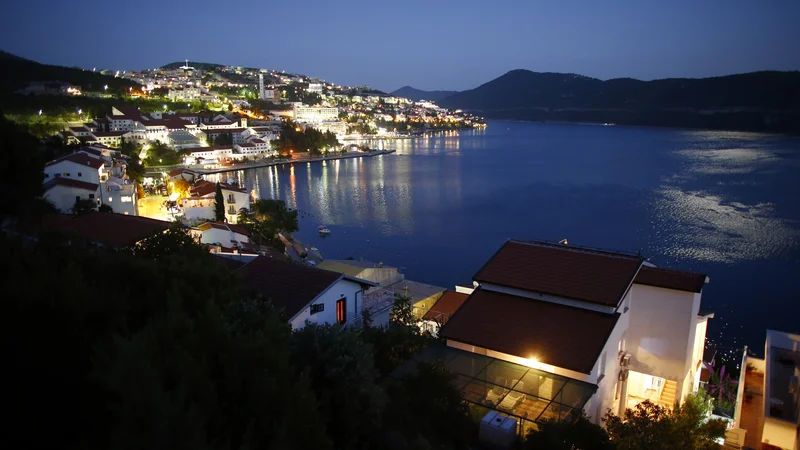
{"points": [[671, 279], [550, 333], [595, 276], [289, 285], [115, 230], [446, 306], [350, 267], [78, 158], [223, 226]]}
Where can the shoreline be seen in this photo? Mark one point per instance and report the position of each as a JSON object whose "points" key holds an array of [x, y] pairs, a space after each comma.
{"points": [[258, 165]]}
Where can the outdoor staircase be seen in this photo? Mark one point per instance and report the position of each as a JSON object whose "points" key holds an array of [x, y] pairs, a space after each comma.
{"points": [[667, 398]]}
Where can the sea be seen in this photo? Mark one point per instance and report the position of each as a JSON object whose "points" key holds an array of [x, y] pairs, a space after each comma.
{"points": [[722, 203]]}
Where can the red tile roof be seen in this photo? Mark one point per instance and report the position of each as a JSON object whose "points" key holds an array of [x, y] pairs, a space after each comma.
{"points": [[671, 279], [79, 158], [289, 285], [551, 333], [447, 305], [115, 230], [64, 181], [203, 188], [109, 133], [589, 275]]}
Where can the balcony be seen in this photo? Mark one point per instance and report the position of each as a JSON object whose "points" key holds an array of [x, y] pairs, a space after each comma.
{"points": [[232, 200]]}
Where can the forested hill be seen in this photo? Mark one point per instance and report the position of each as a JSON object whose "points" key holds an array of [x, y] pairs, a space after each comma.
{"points": [[768, 101], [418, 94], [20, 72]]}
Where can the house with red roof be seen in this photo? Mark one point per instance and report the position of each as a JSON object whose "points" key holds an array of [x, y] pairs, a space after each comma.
{"points": [[549, 329], [223, 234], [200, 204]]}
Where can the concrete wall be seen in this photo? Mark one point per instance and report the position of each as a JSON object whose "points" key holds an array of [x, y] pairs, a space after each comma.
{"points": [[605, 373], [199, 213], [87, 173], [352, 291], [661, 336], [383, 276], [63, 197], [223, 237], [780, 433]]}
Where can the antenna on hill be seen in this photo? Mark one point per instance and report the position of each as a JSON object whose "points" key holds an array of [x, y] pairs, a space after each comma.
{"points": [[563, 241]]}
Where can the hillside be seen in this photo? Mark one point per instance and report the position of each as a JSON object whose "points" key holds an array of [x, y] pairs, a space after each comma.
{"points": [[195, 64], [418, 94], [751, 101], [19, 72]]}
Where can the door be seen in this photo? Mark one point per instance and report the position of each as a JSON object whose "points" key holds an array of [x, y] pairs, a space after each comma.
{"points": [[341, 310]]}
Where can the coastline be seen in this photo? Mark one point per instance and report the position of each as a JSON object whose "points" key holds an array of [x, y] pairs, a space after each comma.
{"points": [[257, 165]]}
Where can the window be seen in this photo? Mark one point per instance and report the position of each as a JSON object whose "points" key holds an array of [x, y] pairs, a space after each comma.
{"points": [[91, 196], [80, 174], [341, 310], [317, 308], [110, 199]]}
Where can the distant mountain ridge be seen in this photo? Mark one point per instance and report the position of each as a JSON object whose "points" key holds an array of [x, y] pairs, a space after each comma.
{"points": [[417, 94], [759, 101]]}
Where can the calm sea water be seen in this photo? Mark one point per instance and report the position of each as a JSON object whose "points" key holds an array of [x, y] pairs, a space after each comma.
{"points": [[722, 203]]}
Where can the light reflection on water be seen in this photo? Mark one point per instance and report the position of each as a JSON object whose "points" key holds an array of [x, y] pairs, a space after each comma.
{"points": [[717, 202]]}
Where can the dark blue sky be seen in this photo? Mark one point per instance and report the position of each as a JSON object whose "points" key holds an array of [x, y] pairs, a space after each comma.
{"points": [[428, 44]]}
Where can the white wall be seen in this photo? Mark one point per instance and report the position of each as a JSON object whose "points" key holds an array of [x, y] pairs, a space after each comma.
{"points": [[605, 373], [342, 288], [199, 213], [780, 433], [661, 335], [223, 237], [63, 168], [384, 276], [241, 200], [63, 197]]}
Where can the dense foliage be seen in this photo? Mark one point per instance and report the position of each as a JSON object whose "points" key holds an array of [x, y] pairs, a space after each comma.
{"points": [[266, 218], [161, 347], [296, 139], [649, 426]]}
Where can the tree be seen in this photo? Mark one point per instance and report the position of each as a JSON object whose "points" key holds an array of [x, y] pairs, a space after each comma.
{"points": [[649, 426], [83, 205], [402, 312], [341, 370], [104, 208], [22, 157], [579, 434], [181, 187], [219, 205]]}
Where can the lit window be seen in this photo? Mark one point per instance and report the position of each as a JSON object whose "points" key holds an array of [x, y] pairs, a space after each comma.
{"points": [[110, 199], [341, 310]]}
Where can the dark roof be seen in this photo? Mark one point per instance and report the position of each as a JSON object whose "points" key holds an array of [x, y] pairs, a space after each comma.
{"points": [[551, 333], [177, 172], [203, 188], [109, 133], [671, 279], [79, 158], [63, 181], [289, 285], [447, 304], [116, 230], [590, 275]]}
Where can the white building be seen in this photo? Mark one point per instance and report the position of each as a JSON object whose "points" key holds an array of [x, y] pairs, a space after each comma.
{"points": [[314, 114], [223, 234], [200, 205], [63, 192], [120, 194], [337, 128], [314, 88], [76, 166], [607, 330], [306, 294]]}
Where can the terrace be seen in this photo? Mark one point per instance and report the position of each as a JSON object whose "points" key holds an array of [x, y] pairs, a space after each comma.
{"points": [[527, 394]]}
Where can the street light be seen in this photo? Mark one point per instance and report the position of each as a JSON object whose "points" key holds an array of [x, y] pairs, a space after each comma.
{"points": [[105, 87]]}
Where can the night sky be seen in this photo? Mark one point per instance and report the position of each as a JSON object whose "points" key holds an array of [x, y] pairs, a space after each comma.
{"points": [[428, 44]]}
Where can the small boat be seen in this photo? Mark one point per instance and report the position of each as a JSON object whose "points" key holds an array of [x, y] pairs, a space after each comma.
{"points": [[324, 230]]}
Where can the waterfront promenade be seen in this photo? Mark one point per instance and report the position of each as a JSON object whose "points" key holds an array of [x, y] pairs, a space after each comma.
{"points": [[156, 170]]}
